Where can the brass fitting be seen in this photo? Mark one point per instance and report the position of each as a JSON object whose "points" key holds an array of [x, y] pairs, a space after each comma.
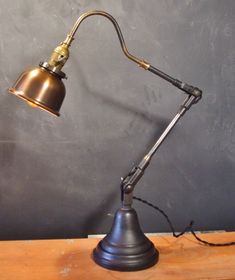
{"points": [[59, 56], [144, 64]]}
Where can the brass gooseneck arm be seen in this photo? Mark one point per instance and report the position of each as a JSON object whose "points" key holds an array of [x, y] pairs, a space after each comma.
{"points": [[61, 53], [71, 35]]}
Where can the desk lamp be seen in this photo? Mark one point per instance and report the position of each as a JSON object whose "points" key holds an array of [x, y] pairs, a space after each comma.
{"points": [[125, 247]]}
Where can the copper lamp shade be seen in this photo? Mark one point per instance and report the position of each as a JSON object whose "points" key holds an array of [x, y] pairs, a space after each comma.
{"points": [[40, 88]]}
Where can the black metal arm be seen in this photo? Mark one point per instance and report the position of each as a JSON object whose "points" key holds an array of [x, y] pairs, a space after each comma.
{"points": [[132, 178], [191, 90]]}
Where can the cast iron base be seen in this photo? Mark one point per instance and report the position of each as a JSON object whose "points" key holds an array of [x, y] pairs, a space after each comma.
{"points": [[125, 247]]}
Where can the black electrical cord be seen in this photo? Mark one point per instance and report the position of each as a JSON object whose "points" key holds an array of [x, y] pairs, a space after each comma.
{"points": [[188, 228]]}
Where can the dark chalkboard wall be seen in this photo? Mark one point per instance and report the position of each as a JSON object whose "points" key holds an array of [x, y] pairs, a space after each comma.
{"points": [[59, 177]]}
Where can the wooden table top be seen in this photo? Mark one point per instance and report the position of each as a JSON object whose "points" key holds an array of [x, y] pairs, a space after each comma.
{"points": [[180, 259]]}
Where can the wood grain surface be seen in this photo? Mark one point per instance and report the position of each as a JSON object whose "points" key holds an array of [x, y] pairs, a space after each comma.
{"points": [[180, 259]]}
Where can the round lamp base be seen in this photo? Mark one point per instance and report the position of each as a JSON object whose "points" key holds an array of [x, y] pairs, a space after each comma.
{"points": [[125, 247]]}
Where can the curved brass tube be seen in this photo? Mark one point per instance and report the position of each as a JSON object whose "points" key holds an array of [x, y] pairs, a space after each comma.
{"points": [[71, 35], [61, 54]]}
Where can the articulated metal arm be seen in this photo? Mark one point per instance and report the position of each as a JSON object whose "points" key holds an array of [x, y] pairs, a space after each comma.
{"points": [[132, 178], [61, 55]]}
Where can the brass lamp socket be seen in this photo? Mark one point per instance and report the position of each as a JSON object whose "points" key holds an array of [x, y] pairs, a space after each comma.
{"points": [[59, 56]]}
